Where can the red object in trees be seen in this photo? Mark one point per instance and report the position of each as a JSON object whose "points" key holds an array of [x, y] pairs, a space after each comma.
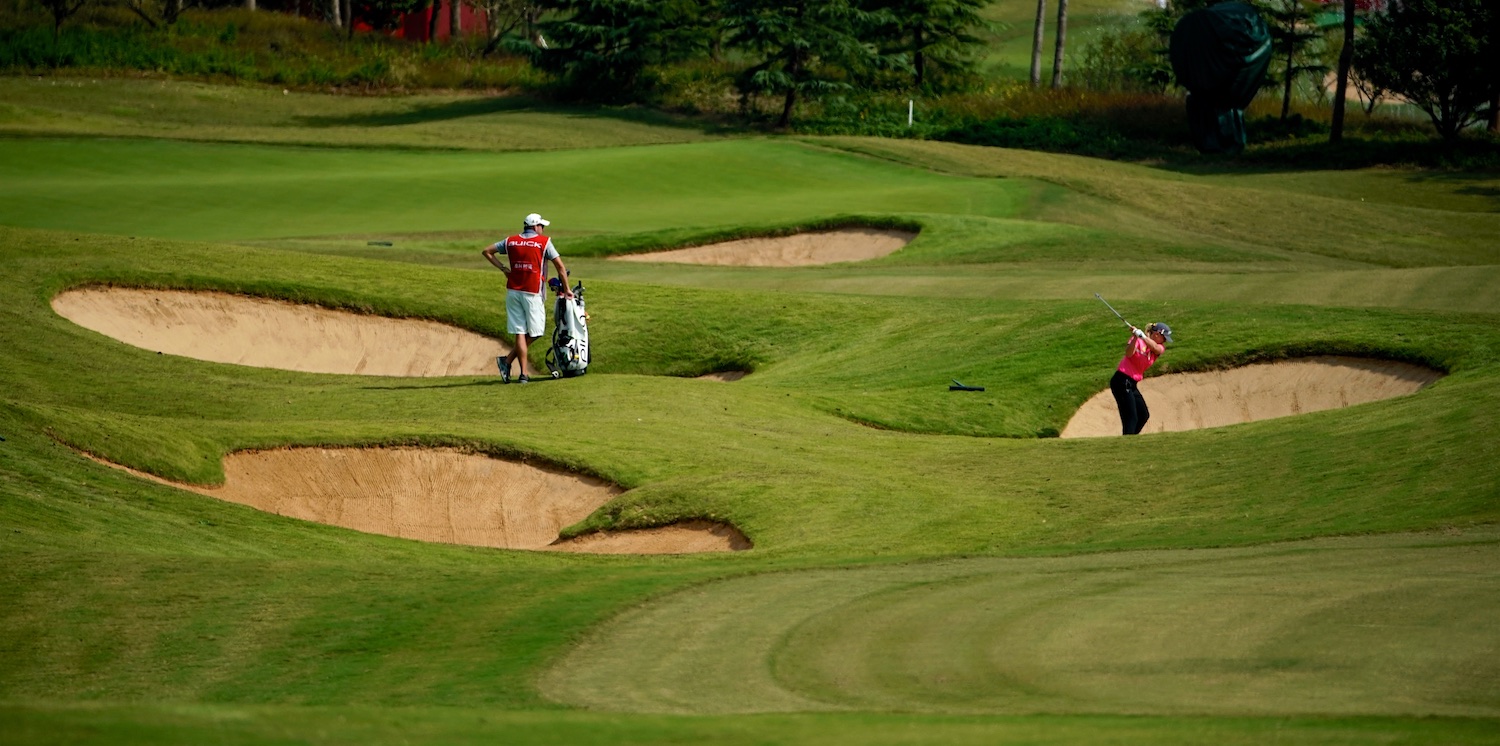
{"points": [[414, 26]]}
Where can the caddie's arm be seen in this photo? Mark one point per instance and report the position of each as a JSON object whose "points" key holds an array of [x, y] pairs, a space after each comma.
{"points": [[562, 274], [490, 252]]}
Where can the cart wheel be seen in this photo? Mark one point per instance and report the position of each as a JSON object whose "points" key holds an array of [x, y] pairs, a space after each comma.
{"points": [[557, 374]]}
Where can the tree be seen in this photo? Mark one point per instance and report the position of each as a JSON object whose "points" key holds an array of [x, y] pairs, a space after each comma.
{"points": [[1142, 58], [155, 12], [1125, 60], [600, 48], [1371, 93], [1036, 42], [1493, 35], [1061, 42], [1439, 55], [803, 48], [936, 35], [1294, 33], [383, 15], [1346, 60], [502, 17], [62, 10]]}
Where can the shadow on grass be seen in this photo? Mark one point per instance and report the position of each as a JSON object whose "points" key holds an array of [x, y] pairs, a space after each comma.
{"points": [[1471, 158], [489, 105], [540, 378]]}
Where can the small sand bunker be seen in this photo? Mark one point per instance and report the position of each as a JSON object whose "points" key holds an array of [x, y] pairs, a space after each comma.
{"points": [[262, 333], [1189, 401], [800, 250], [435, 495], [725, 375], [679, 538]]}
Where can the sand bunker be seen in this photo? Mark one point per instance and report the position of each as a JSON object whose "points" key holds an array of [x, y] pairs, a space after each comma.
{"points": [[680, 538], [435, 495], [1189, 401], [724, 375], [800, 250], [262, 333]]}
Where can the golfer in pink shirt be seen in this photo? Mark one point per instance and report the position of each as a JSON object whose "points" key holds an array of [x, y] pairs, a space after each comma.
{"points": [[1143, 348]]}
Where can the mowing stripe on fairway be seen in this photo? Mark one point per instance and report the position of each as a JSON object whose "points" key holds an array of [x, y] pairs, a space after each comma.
{"points": [[1396, 625], [212, 191]]}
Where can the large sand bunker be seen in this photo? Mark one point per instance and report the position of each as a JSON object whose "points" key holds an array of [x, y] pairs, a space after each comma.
{"points": [[1189, 401], [800, 250], [264, 333], [444, 496]]}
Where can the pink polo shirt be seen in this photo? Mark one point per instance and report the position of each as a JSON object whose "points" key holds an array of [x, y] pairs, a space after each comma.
{"points": [[1140, 358]]}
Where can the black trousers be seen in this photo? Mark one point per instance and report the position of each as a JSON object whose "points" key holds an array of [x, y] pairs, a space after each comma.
{"points": [[1133, 411]]}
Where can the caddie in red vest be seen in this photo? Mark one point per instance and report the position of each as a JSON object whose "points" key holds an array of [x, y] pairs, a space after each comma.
{"points": [[525, 282]]}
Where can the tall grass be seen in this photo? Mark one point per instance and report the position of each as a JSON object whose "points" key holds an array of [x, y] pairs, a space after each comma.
{"points": [[274, 48]]}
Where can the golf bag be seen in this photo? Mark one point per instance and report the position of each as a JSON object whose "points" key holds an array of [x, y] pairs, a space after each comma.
{"points": [[569, 354]]}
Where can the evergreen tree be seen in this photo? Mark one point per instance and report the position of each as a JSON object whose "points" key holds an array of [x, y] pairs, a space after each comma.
{"points": [[937, 36], [600, 48], [1296, 36], [799, 47]]}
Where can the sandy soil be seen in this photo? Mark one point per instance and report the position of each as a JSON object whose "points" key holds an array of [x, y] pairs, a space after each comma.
{"points": [[800, 250], [724, 375], [442, 496], [272, 334], [681, 538], [1188, 401]]}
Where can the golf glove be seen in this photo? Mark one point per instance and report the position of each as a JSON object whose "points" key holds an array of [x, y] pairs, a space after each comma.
{"points": [[1138, 333]]}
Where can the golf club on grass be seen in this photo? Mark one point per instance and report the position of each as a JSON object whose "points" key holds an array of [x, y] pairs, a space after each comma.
{"points": [[958, 386]]}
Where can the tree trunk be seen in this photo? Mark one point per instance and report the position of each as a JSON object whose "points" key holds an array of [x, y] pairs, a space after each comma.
{"points": [[1346, 60], [336, 11], [249, 4], [1062, 36], [794, 67], [1036, 43], [455, 20], [919, 62], [432, 20], [786, 108], [1286, 98]]}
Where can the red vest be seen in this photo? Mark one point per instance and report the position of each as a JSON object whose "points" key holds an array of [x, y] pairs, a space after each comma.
{"points": [[527, 262]]}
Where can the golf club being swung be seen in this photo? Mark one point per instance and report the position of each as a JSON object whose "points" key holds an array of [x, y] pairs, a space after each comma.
{"points": [[1112, 310]]}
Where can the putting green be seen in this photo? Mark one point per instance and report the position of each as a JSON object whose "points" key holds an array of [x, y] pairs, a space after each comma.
{"points": [[1397, 625]]}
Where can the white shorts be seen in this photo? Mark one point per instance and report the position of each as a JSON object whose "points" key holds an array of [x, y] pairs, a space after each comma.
{"points": [[524, 313]]}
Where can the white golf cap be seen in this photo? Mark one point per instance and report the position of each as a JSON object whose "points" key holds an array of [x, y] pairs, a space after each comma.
{"points": [[535, 219]]}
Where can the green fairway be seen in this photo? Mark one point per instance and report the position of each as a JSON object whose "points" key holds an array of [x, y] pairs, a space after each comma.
{"points": [[1279, 630], [928, 566], [249, 192]]}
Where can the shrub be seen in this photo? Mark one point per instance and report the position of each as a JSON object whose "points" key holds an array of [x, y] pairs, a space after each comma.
{"points": [[258, 47]]}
